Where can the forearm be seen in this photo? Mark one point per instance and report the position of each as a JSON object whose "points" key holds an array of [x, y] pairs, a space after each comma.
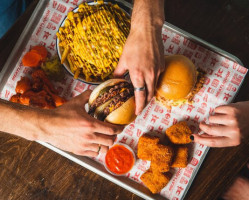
{"points": [[148, 15], [20, 120]]}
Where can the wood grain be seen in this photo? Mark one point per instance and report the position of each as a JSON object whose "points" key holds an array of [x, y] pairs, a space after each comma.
{"points": [[31, 171]]}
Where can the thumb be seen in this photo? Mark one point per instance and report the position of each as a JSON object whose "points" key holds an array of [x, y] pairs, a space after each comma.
{"points": [[120, 70]]}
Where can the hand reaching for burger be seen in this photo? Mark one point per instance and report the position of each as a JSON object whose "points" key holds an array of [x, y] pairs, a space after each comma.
{"points": [[70, 128], [143, 53], [227, 127]]}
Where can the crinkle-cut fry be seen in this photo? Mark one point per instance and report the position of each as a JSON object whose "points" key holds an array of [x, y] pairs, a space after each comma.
{"points": [[64, 54]]}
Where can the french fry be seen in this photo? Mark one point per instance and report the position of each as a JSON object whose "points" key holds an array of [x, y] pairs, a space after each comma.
{"points": [[64, 54], [94, 37]]}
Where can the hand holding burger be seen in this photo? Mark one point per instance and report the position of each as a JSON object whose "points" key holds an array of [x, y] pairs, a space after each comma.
{"points": [[70, 128]]}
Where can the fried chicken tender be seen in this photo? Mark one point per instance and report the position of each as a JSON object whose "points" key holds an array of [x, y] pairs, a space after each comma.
{"points": [[15, 98], [23, 85], [146, 146], [180, 159], [161, 158], [155, 181], [179, 133]]}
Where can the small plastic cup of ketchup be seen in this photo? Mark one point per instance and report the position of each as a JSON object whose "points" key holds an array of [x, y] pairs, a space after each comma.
{"points": [[120, 159]]}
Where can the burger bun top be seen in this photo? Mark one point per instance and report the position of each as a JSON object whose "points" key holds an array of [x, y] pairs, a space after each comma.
{"points": [[178, 78]]}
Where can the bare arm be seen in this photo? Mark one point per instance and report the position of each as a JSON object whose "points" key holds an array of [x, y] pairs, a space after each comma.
{"points": [[68, 127], [143, 54], [20, 120]]}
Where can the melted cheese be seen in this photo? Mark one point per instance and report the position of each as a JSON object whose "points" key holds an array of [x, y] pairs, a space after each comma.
{"points": [[95, 36]]}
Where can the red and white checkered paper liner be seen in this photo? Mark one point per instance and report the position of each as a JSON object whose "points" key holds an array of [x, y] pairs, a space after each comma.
{"points": [[222, 81]]}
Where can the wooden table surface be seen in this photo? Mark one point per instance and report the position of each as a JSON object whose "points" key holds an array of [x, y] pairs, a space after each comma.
{"points": [[31, 171]]}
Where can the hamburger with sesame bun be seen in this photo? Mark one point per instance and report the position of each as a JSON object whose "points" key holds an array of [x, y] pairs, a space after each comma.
{"points": [[113, 101]]}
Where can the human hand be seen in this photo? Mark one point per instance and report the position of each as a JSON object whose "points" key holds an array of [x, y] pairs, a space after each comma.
{"points": [[238, 190], [143, 57], [227, 126], [70, 128]]}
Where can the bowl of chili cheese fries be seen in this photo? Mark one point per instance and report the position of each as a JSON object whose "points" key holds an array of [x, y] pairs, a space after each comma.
{"points": [[90, 40]]}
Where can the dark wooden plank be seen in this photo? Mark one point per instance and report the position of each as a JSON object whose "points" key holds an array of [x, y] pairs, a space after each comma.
{"points": [[30, 171]]}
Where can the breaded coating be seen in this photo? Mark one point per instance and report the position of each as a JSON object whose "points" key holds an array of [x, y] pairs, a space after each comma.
{"points": [[162, 158], [179, 133], [146, 146], [180, 159], [155, 181]]}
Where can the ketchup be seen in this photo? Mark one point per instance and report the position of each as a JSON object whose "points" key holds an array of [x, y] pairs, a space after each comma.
{"points": [[119, 159]]}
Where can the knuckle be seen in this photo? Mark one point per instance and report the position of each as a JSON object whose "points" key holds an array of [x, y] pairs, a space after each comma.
{"points": [[233, 111], [138, 73], [83, 146], [213, 142], [111, 130], [109, 142], [208, 129], [87, 124], [90, 137], [236, 132], [234, 121]]}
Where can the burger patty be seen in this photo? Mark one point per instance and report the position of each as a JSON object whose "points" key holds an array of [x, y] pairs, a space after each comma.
{"points": [[119, 100], [107, 95]]}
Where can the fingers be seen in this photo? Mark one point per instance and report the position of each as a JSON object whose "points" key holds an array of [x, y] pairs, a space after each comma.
{"points": [[215, 129], [103, 149], [105, 140], [140, 96], [120, 70], [97, 147], [213, 141], [218, 119], [150, 84], [92, 150], [88, 153], [229, 109], [106, 128]]}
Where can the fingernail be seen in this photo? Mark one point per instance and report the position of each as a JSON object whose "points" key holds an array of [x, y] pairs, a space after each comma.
{"points": [[192, 137]]}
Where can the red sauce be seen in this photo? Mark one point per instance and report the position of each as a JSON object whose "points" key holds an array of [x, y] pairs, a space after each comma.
{"points": [[119, 159]]}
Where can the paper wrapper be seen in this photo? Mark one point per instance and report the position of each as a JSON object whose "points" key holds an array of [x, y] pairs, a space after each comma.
{"points": [[222, 81]]}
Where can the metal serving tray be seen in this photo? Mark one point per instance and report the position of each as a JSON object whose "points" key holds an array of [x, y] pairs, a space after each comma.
{"points": [[88, 163]]}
